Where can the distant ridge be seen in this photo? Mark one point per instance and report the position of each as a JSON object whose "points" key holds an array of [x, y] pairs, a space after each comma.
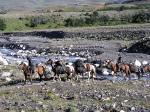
{"points": [[32, 4], [135, 1]]}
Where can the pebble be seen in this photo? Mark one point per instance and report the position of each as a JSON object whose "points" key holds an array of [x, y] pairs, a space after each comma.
{"points": [[132, 108], [40, 103], [22, 111], [125, 101]]}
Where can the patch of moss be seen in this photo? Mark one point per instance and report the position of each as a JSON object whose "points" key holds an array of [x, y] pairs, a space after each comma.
{"points": [[3, 93]]}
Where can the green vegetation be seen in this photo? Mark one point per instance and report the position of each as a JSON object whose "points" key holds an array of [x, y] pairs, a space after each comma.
{"points": [[52, 96], [2, 24], [96, 18], [121, 7], [4, 93]]}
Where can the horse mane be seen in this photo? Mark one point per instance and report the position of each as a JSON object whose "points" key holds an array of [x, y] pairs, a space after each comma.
{"points": [[58, 63], [78, 63]]}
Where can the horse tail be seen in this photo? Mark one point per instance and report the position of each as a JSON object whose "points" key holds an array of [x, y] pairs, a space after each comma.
{"points": [[129, 71]]}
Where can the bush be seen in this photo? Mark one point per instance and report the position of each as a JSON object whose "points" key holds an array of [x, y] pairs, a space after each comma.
{"points": [[34, 21], [95, 19], [2, 24], [74, 22], [141, 17]]}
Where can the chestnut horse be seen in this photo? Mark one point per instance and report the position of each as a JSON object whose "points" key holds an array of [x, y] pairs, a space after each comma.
{"points": [[85, 68], [125, 68], [26, 71], [40, 70]]}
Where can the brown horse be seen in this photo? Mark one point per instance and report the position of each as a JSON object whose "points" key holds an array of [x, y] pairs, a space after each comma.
{"points": [[40, 70], [125, 68], [26, 71], [146, 68]]}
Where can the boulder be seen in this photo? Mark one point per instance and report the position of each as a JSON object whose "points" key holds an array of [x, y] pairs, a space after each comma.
{"points": [[142, 46]]}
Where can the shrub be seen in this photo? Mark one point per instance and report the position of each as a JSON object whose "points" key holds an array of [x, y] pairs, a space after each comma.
{"points": [[141, 17], [75, 22], [34, 21], [2, 24]]}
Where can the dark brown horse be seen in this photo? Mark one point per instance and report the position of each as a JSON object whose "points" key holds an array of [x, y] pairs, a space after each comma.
{"points": [[26, 71], [40, 70], [84, 68], [59, 67]]}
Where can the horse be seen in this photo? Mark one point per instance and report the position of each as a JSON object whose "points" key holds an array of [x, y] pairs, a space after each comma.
{"points": [[58, 67], [30, 65], [26, 71], [40, 70], [125, 68], [145, 69], [84, 68], [115, 67], [70, 71]]}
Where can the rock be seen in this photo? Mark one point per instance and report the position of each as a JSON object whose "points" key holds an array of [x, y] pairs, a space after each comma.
{"points": [[6, 74], [106, 99], [40, 103], [22, 110], [122, 111], [125, 101], [114, 105], [3, 60], [132, 108], [141, 46], [44, 106], [8, 79]]}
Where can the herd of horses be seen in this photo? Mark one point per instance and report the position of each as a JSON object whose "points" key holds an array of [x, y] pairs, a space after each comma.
{"points": [[81, 68]]}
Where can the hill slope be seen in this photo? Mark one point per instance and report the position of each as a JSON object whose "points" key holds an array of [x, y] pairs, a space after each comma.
{"points": [[31, 4]]}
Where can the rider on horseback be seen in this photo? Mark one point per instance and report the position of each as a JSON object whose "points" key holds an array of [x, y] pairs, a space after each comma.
{"points": [[31, 67], [119, 61]]}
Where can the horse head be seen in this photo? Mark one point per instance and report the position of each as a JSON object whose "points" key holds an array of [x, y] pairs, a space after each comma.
{"points": [[22, 66], [50, 62]]}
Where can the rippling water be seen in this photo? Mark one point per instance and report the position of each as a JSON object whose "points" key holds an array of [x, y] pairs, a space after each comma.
{"points": [[7, 54]]}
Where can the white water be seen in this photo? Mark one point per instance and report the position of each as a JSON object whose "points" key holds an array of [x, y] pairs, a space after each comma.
{"points": [[13, 58]]}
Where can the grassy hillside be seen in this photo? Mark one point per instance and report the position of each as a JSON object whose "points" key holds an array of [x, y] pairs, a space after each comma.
{"points": [[79, 16]]}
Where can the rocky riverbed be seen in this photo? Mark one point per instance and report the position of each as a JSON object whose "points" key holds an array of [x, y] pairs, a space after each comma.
{"points": [[98, 96], [48, 96]]}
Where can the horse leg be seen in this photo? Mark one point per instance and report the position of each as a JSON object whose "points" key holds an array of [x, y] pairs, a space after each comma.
{"points": [[25, 79], [89, 76], [31, 79], [59, 78], [40, 77], [113, 74], [138, 74], [77, 77], [54, 78]]}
